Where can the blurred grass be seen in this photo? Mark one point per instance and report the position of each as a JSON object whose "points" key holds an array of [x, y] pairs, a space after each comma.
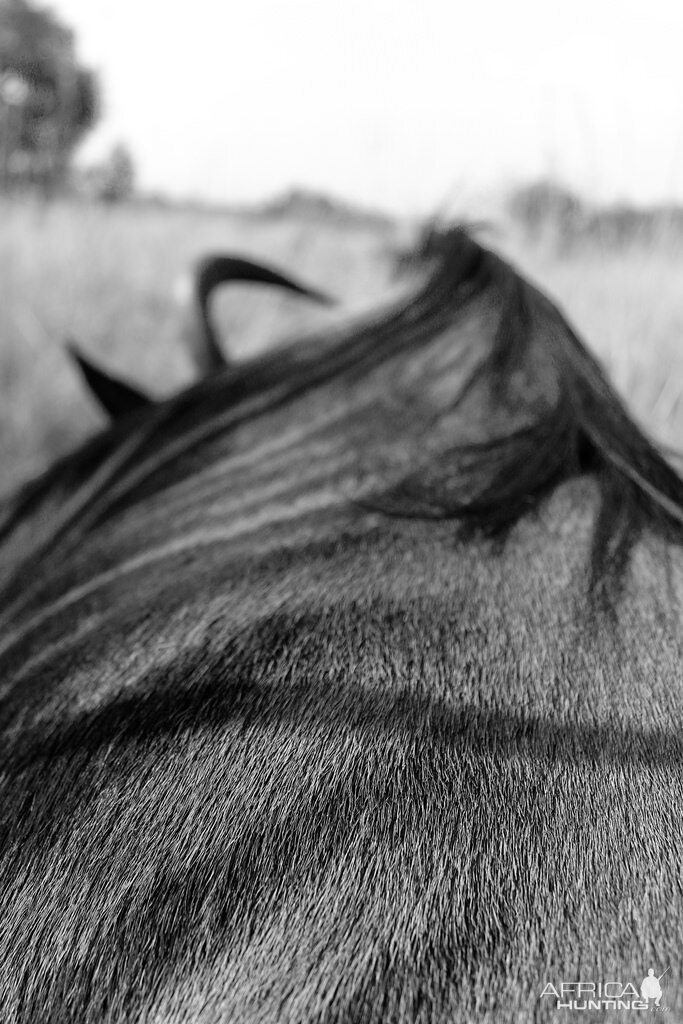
{"points": [[107, 277]]}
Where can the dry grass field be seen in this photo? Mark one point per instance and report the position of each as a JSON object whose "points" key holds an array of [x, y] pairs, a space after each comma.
{"points": [[107, 277]]}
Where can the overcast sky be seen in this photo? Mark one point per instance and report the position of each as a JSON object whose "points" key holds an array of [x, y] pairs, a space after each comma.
{"points": [[403, 103]]}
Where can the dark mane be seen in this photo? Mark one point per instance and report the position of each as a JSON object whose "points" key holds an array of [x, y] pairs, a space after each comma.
{"points": [[585, 429], [562, 421]]}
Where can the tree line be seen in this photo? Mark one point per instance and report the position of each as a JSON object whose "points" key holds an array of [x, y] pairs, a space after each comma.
{"points": [[49, 101]]}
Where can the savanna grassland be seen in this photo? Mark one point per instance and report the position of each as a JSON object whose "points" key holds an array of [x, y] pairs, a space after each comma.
{"points": [[108, 277]]}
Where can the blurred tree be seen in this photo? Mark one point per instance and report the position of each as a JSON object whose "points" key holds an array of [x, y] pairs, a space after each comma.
{"points": [[547, 204], [116, 176], [47, 100]]}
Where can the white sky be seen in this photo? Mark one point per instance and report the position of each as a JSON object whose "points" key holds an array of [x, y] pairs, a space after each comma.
{"points": [[401, 103]]}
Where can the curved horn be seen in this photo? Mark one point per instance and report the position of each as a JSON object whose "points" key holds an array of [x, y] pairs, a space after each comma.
{"points": [[216, 270], [116, 397]]}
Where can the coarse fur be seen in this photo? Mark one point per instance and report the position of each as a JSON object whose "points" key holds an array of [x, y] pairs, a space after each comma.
{"points": [[345, 686]]}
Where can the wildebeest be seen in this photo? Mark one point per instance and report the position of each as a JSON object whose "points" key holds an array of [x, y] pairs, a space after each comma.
{"points": [[345, 686]]}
